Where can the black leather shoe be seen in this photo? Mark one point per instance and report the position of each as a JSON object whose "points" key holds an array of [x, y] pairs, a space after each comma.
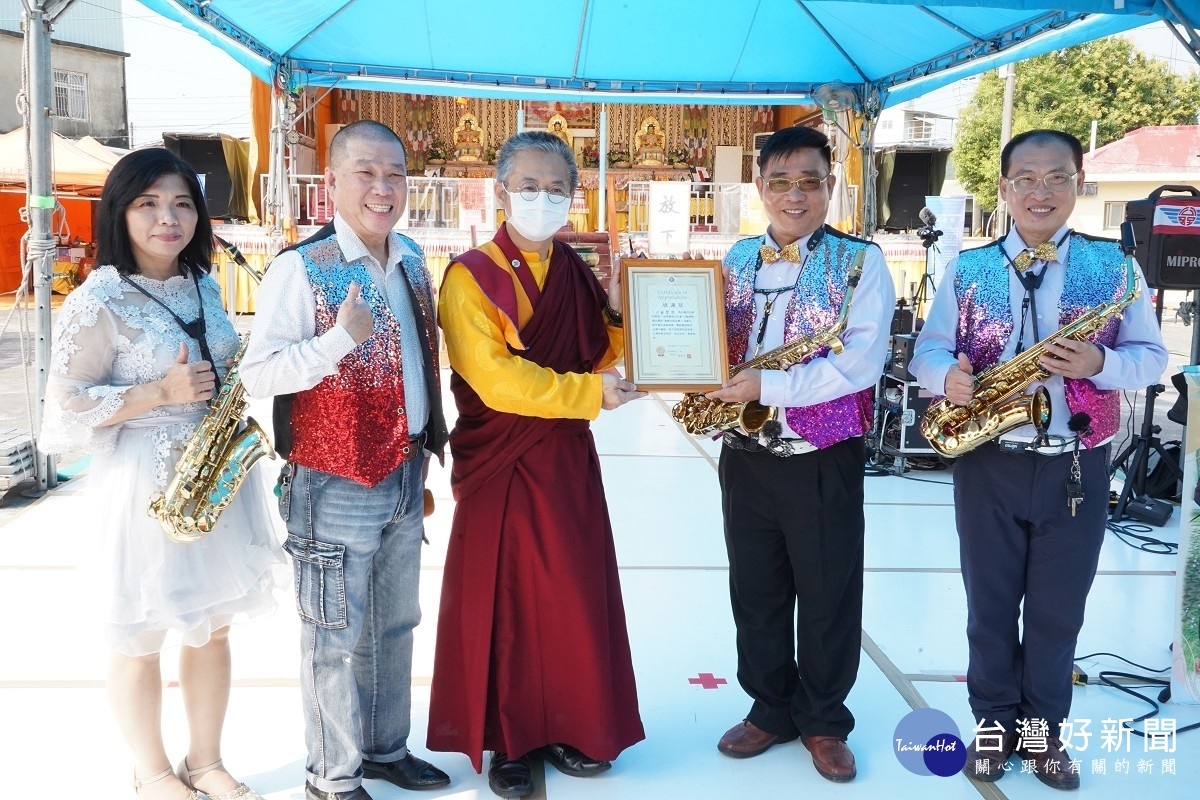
{"points": [[988, 764], [409, 772], [1052, 765], [313, 793], [510, 778], [570, 761]]}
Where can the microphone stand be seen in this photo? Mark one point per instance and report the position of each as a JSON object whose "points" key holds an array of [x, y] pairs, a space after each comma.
{"points": [[1134, 460]]}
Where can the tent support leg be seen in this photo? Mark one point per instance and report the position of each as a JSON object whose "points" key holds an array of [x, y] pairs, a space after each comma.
{"points": [[38, 14]]}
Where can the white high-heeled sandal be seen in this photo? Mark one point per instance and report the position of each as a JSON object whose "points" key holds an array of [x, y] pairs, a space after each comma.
{"points": [[239, 792], [137, 784]]}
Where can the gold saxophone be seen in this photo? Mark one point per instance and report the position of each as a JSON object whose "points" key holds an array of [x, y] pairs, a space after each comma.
{"points": [[1000, 403], [215, 462], [700, 415]]}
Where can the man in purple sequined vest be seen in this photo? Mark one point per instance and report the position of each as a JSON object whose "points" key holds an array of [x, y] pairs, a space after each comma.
{"points": [[792, 499], [1031, 506]]}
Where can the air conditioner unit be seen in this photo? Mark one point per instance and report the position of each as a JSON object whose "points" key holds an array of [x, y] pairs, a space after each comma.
{"points": [[759, 140]]}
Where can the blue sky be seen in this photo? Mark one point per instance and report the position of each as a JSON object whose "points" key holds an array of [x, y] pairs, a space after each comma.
{"points": [[179, 83]]}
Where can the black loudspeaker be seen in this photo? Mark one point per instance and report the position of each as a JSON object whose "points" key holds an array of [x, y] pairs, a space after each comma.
{"points": [[910, 185], [1167, 233], [902, 352], [206, 154]]}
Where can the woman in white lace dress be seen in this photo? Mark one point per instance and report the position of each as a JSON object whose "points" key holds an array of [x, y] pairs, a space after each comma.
{"points": [[129, 385]]}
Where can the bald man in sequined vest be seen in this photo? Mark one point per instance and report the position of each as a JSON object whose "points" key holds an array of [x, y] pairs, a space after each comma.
{"points": [[345, 340]]}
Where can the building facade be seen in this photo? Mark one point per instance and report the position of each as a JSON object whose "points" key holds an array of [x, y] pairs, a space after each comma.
{"points": [[1130, 169], [88, 58]]}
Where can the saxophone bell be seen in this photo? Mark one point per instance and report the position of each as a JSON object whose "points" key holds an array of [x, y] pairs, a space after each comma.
{"points": [[754, 415]]}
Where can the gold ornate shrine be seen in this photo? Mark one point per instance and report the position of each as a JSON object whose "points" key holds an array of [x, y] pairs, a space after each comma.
{"points": [[468, 139], [650, 145], [557, 126]]}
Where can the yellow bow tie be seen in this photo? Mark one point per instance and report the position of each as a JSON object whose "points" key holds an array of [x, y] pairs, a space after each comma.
{"points": [[1046, 251], [790, 252]]}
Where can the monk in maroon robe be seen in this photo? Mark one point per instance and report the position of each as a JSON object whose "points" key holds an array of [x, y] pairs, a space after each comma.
{"points": [[532, 652]]}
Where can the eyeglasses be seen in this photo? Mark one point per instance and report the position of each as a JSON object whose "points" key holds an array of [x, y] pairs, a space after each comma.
{"points": [[1054, 182], [781, 185], [529, 194]]}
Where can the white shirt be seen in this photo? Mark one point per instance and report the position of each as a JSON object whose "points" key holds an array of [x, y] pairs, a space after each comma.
{"points": [[865, 341], [286, 356]]}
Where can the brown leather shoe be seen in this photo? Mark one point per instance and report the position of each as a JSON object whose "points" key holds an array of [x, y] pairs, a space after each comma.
{"points": [[988, 765], [746, 740], [832, 757], [1052, 767]]}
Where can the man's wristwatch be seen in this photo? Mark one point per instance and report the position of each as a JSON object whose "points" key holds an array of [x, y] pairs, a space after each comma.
{"points": [[613, 318]]}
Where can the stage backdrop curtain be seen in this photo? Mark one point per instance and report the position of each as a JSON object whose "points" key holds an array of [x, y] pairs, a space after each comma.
{"points": [[883, 184], [937, 173]]}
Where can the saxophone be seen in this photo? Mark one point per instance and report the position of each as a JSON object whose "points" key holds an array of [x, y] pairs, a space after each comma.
{"points": [[700, 415], [1000, 403], [215, 462]]}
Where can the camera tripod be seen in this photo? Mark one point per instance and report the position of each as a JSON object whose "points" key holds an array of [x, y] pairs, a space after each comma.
{"points": [[925, 288], [1134, 460]]}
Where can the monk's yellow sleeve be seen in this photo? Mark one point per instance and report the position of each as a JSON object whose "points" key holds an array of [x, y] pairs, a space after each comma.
{"points": [[475, 343], [616, 346]]}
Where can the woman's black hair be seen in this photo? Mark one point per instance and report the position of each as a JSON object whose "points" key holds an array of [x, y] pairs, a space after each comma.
{"points": [[132, 176]]}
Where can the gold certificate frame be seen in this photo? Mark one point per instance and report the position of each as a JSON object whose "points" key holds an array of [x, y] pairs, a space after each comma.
{"points": [[674, 324]]}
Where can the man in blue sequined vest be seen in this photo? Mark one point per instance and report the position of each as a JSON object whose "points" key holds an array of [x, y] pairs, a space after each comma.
{"points": [[1031, 506]]}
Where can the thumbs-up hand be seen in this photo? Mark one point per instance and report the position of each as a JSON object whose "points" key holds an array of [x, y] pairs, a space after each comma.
{"points": [[960, 382], [355, 316], [188, 383]]}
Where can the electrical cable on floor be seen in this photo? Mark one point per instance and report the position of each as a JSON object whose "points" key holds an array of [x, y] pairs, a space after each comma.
{"points": [[1126, 531], [926, 463], [1127, 419], [1106, 678], [927, 480], [1121, 658]]}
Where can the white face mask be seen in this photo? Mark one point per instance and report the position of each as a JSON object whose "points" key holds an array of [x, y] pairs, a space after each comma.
{"points": [[537, 219]]}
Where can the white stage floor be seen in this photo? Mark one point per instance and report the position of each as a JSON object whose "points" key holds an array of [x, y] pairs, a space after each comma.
{"points": [[59, 741]]}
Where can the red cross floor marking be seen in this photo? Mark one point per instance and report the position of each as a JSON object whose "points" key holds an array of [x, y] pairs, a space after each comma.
{"points": [[706, 680]]}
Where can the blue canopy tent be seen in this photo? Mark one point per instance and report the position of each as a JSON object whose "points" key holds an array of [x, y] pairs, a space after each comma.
{"points": [[875, 52], [615, 50]]}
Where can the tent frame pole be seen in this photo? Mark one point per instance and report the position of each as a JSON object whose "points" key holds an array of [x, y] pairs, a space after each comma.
{"points": [[602, 188], [38, 16]]}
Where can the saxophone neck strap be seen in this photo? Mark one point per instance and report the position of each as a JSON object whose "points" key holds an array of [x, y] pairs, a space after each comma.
{"points": [[196, 328], [1031, 281]]}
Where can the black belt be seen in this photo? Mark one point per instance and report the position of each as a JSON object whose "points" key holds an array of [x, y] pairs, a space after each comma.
{"points": [[1019, 446], [419, 441], [781, 447]]}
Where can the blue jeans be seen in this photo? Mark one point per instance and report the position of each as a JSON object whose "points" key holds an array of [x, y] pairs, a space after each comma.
{"points": [[357, 557]]}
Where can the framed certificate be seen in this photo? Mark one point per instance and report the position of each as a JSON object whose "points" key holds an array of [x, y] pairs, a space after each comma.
{"points": [[674, 324]]}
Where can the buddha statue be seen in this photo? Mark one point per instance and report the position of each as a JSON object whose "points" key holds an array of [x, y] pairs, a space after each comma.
{"points": [[650, 150], [557, 126], [468, 140]]}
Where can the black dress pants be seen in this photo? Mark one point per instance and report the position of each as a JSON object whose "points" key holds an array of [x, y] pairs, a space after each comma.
{"points": [[1019, 544], [794, 535]]}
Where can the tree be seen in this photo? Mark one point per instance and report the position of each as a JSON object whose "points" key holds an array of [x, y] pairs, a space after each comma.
{"points": [[1108, 80]]}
